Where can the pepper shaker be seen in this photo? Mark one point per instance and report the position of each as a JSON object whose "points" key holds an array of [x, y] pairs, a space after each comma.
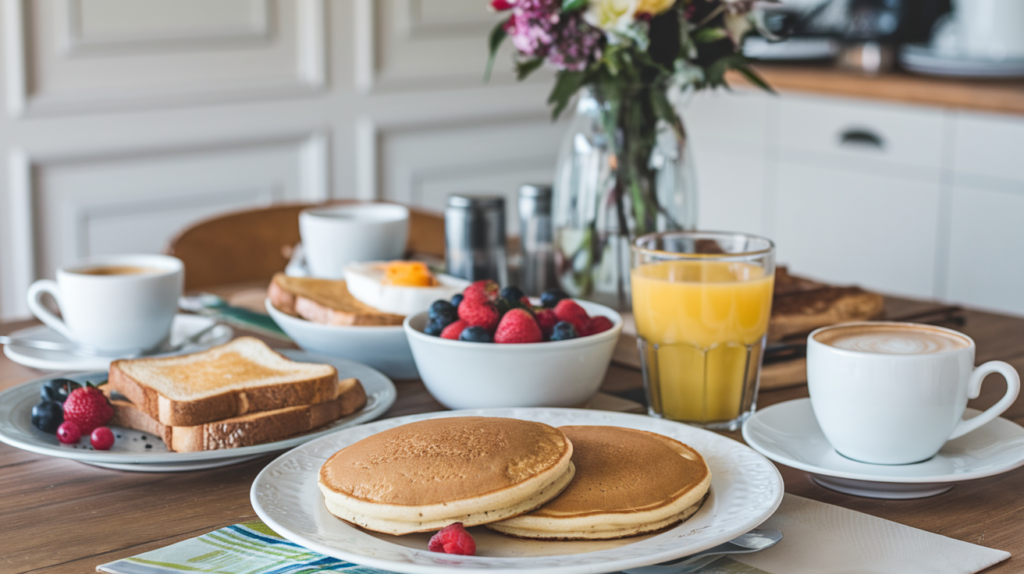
{"points": [[536, 240], [474, 230]]}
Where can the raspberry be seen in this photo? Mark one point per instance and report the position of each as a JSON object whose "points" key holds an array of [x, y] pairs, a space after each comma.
{"points": [[546, 320], [599, 324], [479, 313], [453, 539], [68, 433], [87, 408], [453, 330], [101, 438], [518, 326], [569, 311]]}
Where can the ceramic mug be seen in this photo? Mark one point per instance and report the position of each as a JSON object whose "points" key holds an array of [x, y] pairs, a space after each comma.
{"points": [[334, 236], [894, 393], [115, 303]]}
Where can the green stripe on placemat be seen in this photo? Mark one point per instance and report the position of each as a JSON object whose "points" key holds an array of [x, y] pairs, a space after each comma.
{"points": [[253, 548]]}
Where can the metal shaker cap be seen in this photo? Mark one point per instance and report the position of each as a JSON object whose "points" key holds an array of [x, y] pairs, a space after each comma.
{"points": [[476, 201], [534, 199]]}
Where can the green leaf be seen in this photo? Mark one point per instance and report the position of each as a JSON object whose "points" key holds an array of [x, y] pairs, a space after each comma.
{"points": [[754, 77], [566, 85], [498, 34], [708, 35], [526, 68], [662, 107], [573, 5]]}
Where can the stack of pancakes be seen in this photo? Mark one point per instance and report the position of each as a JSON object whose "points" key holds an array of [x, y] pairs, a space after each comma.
{"points": [[521, 478]]}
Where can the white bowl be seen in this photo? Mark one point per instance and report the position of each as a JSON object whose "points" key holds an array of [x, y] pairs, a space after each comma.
{"points": [[384, 348], [463, 375]]}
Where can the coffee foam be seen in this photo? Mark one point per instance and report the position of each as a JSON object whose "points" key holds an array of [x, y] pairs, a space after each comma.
{"points": [[892, 339]]}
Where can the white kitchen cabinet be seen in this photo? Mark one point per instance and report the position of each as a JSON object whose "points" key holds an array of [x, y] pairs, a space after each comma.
{"points": [[858, 228], [986, 249]]}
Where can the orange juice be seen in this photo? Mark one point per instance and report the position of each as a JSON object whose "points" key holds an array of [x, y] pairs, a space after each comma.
{"points": [[703, 325]]}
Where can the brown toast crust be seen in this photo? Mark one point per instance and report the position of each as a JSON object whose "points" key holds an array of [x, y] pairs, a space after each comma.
{"points": [[222, 406], [324, 301], [245, 430], [801, 312]]}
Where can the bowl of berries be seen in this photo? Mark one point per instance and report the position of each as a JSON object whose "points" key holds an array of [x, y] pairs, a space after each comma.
{"points": [[490, 348]]}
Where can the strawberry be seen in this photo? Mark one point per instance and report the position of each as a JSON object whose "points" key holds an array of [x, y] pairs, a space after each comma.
{"points": [[87, 408], [479, 313], [545, 320], [599, 324], [518, 326], [453, 539], [453, 330], [485, 290], [569, 311]]}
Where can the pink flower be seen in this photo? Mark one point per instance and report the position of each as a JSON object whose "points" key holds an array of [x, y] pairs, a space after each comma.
{"points": [[502, 5], [539, 30]]}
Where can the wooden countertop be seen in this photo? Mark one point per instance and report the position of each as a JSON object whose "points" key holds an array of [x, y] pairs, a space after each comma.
{"points": [[999, 96], [63, 516]]}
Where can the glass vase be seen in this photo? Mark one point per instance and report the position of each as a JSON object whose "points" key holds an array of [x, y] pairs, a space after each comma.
{"points": [[622, 172]]}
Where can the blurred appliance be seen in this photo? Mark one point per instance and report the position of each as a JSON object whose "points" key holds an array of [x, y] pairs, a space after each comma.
{"points": [[980, 38], [826, 29]]}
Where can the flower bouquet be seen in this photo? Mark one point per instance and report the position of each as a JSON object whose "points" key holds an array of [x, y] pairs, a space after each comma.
{"points": [[624, 169]]}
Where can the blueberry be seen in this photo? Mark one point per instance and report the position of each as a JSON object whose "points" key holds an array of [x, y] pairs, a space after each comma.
{"points": [[47, 416], [513, 294], [551, 297], [476, 334], [443, 309], [563, 331], [434, 328], [456, 300], [57, 390]]}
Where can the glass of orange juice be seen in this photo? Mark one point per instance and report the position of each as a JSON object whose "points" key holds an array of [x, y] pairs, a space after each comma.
{"points": [[701, 302]]}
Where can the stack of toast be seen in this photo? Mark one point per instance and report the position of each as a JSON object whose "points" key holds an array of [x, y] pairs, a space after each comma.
{"points": [[238, 394], [802, 305]]}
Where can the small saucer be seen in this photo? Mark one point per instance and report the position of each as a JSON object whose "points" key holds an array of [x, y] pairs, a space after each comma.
{"points": [[788, 433], [183, 327]]}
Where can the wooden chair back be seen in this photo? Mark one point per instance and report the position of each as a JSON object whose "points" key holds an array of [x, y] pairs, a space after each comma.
{"points": [[252, 245]]}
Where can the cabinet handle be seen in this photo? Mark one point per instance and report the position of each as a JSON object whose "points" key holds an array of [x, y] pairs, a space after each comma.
{"points": [[861, 138]]}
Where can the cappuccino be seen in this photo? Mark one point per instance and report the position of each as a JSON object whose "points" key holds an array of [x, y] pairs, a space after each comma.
{"points": [[889, 339], [119, 270]]}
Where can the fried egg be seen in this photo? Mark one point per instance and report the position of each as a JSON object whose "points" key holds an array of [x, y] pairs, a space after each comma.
{"points": [[400, 287]]}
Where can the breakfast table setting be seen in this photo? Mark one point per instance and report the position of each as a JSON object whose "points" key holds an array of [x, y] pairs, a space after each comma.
{"points": [[370, 387]]}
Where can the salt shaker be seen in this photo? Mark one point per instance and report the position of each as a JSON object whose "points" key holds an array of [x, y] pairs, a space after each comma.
{"points": [[536, 240], [474, 233]]}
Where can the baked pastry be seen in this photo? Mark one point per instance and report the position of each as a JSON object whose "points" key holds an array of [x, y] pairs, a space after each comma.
{"points": [[426, 475], [628, 482]]}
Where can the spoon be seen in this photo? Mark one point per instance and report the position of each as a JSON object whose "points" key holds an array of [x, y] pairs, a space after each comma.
{"points": [[753, 541]]}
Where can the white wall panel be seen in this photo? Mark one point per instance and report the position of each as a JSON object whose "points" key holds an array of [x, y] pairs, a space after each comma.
{"points": [[136, 200], [75, 55], [422, 164]]}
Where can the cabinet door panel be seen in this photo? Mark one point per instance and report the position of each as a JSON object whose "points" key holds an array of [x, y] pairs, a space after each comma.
{"points": [[731, 189], [989, 146], [986, 258], [858, 228]]}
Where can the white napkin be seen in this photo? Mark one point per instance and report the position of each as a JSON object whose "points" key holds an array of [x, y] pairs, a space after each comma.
{"points": [[821, 538]]}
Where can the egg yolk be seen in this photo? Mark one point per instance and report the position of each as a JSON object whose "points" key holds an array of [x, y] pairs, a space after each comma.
{"points": [[408, 274]]}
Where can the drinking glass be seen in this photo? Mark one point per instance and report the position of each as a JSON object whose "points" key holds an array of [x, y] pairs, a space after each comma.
{"points": [[702, 302]]}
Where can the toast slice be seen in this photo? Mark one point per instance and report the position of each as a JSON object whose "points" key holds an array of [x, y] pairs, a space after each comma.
{"points": [[245, 430], [325, 301], [801, 312], [241, 377]]}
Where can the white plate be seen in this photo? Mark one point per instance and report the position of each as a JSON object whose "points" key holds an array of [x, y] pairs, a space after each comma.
{"points": [[183, 327], [129, 451], [788, 433], [745, 490], [383, 347], [925, 60]]}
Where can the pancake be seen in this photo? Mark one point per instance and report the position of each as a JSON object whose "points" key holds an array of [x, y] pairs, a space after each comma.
{"points": [[628, 482], [426, 475]]}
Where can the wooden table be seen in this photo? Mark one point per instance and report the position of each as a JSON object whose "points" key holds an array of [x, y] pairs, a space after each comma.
{"points": [[62, 516]]}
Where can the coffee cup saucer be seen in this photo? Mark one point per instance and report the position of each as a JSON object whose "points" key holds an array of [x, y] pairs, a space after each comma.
{"points": [[788, 433], [183, 327]]}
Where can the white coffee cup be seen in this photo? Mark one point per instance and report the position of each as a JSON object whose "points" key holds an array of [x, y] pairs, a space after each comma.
{"points": [[115, 303], [894, 393], [334, 236]]}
